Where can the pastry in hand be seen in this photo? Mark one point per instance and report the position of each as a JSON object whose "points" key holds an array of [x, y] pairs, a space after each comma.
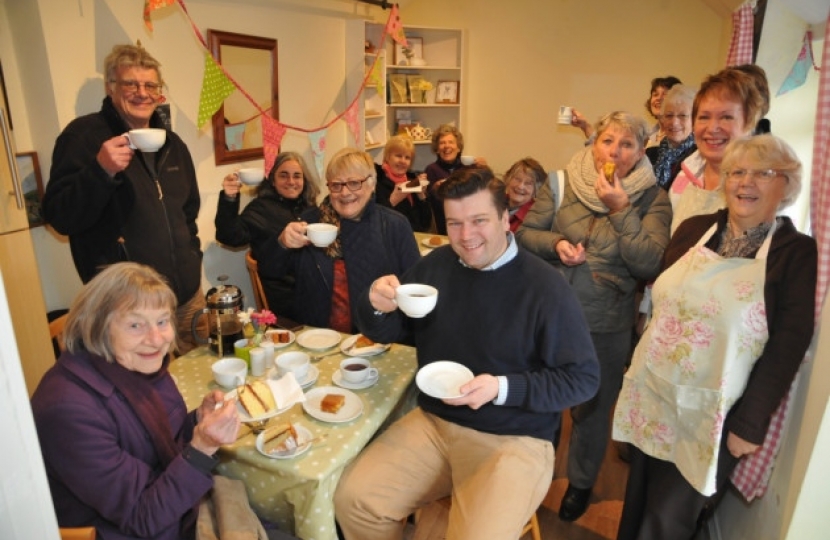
{"points": [[332, 403], [280, 438], [256, 398], [608, 169]]}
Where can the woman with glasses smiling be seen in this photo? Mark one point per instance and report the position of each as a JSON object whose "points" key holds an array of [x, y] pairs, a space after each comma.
{"points": [[288, 191], [733, 317], [372, 241], [678, 142]]}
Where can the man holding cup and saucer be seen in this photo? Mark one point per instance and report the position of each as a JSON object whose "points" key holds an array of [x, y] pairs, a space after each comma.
{"points": [[508, 319]]}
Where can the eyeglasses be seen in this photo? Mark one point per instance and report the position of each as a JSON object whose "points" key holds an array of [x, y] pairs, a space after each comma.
{"points": [[671, 117], [353, 185], [131, 87], [762, 176]]}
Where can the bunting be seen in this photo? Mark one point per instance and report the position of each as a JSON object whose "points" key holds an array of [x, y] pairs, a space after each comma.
{"points": [[216, 87], [152, 5], [394, 27], [799, 71], [318, 148], [376, 77], [272, 134], [352, 121]]}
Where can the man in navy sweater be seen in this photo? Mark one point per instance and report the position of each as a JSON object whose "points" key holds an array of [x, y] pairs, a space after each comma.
{"points": [[515, 323]]}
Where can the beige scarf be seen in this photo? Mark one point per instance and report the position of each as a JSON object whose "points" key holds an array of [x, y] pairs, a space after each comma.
{"points": [[582, 175]]}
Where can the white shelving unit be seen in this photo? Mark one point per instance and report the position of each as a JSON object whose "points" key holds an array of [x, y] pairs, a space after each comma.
{"points": [[442, 52]]}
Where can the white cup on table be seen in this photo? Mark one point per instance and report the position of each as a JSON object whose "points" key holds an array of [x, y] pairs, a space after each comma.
{"points": [[356, 370], [295, 362]]}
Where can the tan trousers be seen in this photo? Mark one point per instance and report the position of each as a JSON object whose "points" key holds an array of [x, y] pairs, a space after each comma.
{"points": [[496, 481], [184, 316]]}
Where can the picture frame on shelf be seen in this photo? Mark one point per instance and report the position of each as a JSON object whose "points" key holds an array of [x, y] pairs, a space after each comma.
{"points": [[447, 92], [416, 45], [32, 184]]}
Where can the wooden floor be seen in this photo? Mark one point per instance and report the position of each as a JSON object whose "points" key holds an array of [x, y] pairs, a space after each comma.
{"points": [[598, 523]]}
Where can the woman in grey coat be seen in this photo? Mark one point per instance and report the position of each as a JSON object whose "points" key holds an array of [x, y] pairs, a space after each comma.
{"points": [[608, 233]]}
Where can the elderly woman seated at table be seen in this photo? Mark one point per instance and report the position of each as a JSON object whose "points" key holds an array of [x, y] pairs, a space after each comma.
{"points": [[281, 198], [122, 453], [371, 241], [394, 174], [733, 317], [522, 181], [609, 232]]}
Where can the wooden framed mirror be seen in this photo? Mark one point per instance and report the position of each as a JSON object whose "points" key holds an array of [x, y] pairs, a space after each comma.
{"points": [[252, 62]]}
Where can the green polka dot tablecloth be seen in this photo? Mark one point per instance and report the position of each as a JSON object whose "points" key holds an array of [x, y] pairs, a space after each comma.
{"points": [[298, 493]]}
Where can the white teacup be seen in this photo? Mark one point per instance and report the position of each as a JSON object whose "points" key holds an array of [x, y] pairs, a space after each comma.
{"points": [[230, 372], [566, 115], [321, 234], [251, 176], [356, 370], [416, 299], [295, 362], [468, 160], [146, 140]]}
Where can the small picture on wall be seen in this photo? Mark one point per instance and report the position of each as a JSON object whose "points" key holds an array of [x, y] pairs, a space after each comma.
{"points": [[447, 92], [32, 182]]}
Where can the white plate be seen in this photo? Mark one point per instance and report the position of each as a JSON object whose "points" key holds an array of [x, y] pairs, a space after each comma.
{"points": [[310, 377], [405, 189], [338, 379], [318, 340], [347, 347], [303, 444], [444, 241], [277, 344], [442, 379], [351, 409], [243, 414]]}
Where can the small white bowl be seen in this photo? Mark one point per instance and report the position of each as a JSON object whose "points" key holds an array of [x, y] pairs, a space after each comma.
{"points": [[468, 160], [251, 176]]}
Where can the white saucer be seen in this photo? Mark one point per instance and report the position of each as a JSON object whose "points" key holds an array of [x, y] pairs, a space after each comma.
{"points": [[309, 379], [243, 414], [442, 379], [303, 438], [337, 379], [277, 344], [405, 189], [318, 339], [347, 347], [351, 409]]}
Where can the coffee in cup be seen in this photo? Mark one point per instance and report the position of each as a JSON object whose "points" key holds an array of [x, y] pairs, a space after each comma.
{"points": [[146, 140], [321, 234], [295, 362], [357, 370], [416, 300]]}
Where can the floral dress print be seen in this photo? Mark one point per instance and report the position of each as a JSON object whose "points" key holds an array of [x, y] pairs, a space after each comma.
{"points": [[708, 328]]}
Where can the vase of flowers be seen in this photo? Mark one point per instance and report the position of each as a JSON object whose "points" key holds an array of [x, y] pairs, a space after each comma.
{"points": [[255, 323], [427, 91]]}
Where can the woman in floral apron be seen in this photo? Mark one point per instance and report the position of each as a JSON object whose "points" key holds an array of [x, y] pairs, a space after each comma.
{"points": [[733, 317]]}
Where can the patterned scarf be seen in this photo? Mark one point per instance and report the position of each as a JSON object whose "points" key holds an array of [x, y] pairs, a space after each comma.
{"points": [[667, 156], [329, 215], [582, 174]]}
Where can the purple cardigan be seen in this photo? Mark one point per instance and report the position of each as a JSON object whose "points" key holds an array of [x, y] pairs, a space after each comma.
{"points": [[103, 470]]}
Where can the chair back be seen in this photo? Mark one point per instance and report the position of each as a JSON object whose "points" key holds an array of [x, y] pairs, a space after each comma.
{"points": [[77, 533], [56, 331], [256, 283]]}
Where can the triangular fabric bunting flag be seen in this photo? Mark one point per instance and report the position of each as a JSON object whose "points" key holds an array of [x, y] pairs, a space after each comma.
{"points": [[152, 5], [272, 134], [376, 78], [318, 148], [216, 87], [394, 27], [351, 120], [799, 71]]}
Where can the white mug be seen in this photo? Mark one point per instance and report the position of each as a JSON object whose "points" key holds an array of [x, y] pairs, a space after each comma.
{"points": [[146, 140], [356, 370], [566, 115], [321, 234]]}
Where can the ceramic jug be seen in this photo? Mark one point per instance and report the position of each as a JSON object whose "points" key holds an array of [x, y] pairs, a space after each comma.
{"points": [[419, 132]]}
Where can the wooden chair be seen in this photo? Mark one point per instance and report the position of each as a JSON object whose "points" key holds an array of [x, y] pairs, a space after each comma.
{"points": [[437, 521], [259, 292], [77, 533], [56, 330]]}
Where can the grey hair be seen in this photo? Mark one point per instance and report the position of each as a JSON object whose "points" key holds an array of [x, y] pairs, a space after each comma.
{"points": [[679, 94], [766, 152], [627, 121], [352, 160]]}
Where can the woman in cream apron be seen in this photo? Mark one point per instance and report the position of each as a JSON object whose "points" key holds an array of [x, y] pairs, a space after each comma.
{"points": [[712, 308]]}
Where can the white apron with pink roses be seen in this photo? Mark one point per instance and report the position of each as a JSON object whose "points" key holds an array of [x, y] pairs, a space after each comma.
{"points": [[693, 361]]}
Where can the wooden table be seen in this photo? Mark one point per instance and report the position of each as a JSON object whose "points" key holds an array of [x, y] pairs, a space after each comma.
{"points": [[297, 493]]}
